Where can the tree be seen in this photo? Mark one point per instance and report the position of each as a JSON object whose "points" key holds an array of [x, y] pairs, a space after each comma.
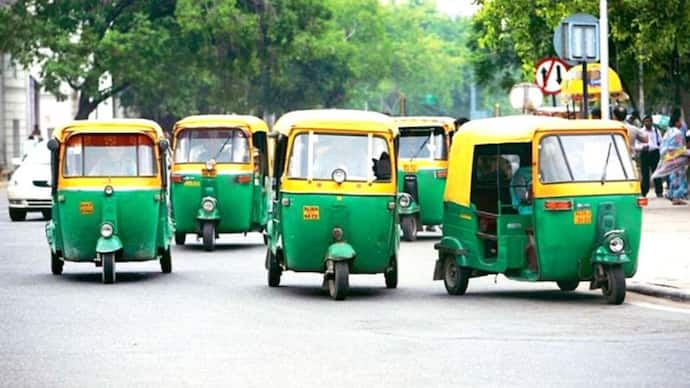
{"points": [[82, 42]]}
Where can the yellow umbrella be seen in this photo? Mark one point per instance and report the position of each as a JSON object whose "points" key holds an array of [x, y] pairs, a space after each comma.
{"points": [[571, 86]]}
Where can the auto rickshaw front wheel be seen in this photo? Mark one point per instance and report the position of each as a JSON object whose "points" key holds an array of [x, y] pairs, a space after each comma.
{"points": [[166, 261], [208, 234], [455, 277], [391, 274], [180, 238], [274, 271], [614, 286], [568, 285], [56, 264], [339, 282], [409, 228], [108, 261]]}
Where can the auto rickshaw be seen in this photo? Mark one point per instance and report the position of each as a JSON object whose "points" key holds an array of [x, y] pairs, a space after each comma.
{"points": [[541, 199], [110, 201], [218, 171], [334, 197], [422, 169]]}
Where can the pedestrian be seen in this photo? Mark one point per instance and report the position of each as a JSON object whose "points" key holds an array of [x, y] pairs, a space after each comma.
{"points": [[634, 119], [596, 113], [674, 163], [635, 134], [649, 157]]}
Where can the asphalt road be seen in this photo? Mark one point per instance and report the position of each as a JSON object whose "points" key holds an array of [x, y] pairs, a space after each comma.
{"points": [[214, 322]]}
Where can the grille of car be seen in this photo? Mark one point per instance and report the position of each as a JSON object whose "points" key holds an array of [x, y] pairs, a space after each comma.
{"points": [[39, 202]]}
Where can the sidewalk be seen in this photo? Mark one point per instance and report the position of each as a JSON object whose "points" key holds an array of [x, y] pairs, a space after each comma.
{"points": [[664, 260]]}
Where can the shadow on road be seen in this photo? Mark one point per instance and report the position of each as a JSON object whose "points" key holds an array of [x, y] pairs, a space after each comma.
{"points": [[319, 292], [220, 247], [554, 296], [121, 277]]}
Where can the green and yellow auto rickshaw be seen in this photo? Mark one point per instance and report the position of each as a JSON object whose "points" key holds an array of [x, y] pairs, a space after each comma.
{"points": [[422, 169], [334, 207], [541, 199], [218, 171], [110, 201]]}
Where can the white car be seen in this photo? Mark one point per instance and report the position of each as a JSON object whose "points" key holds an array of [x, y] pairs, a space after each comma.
{"points": [[29, 187]]}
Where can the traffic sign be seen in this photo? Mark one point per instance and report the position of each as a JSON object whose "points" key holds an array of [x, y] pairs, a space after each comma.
{"points": [[549, 74], [576, 39]]}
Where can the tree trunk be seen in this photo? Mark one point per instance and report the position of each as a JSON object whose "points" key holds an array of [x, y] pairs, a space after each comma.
{"points": [[85, 107]]}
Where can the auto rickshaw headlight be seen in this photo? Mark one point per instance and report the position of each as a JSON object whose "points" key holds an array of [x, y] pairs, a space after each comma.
{"points": [[208, 205], [616, 245], [108, 190], [211, 164], [106, 230], [339, 175], [405, 201]]}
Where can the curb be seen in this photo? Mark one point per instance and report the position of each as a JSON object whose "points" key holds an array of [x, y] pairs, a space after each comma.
{"points": [[661, 291]]}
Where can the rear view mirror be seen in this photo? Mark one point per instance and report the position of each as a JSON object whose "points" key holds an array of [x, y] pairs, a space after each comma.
{"points": [[164, 145], [53, 145]]}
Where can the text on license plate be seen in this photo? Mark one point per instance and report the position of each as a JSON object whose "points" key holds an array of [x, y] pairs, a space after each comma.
{"points": [[310, 213], [583, 217]]}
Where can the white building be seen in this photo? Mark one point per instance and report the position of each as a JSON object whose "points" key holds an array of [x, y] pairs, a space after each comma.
{"points": [[23, 104]]}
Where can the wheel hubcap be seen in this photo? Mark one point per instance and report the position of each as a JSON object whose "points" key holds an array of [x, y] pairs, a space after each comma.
{"points": [[451, 273]]}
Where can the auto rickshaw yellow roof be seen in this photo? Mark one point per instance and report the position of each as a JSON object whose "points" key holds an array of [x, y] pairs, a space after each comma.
{"points": [[417, 121], [110, 126], [512, 129], [253, 123], [341, 119]]}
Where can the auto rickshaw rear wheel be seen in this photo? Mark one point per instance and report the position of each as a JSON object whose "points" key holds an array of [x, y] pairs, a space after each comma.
{"points": [[274, 271], [339, 283], [17, 214], [614, 286], [166, 261], [180, 238], [56, 264], [391, 274], [108, 261], [208, 234], [409, 228], [455, 277], [568, 285]]}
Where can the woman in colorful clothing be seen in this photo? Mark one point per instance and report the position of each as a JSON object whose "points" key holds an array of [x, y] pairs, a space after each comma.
{"points": [[674, 163]]}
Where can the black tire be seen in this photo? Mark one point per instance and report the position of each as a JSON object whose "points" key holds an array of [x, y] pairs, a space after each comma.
{"points": [[339, 283], [166, 261], [391, 274], [208, 234], [568, 285], [56, 264], [47, 214], [274, 271], [17, 214], [455, 277], [614, 287], [108, 261], [180, 238], [409, 228], [265, 236]]}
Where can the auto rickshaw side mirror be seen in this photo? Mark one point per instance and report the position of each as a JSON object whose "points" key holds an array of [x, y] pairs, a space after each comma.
{"points": [[163, 145], [53, 145], [274, 134]]}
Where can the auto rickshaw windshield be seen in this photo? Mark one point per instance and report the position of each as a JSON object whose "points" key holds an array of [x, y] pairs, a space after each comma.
{"points": [[423, 143], [224, 145], [584, 158], [96, 155], [316, 156]]}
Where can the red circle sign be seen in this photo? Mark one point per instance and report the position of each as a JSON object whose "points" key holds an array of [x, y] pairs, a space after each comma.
{"points": [[549, 73]]}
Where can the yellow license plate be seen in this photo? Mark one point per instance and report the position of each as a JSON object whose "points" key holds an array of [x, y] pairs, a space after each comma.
{"points": [[310, 213], [86, 207], [192, 183], [409, 168], [583, 217]]}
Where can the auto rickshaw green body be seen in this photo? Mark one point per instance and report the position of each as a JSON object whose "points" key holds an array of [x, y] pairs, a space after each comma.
{"points": [[422, 176], [327, 226], [136, 208], [572, 230], [236, 189]]}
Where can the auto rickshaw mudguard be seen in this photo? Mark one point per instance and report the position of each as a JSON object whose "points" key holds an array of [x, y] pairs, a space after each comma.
{"points": [[340, 251], [203, 215], [449, 246], [412, 209], [108, 245], [50, 233], [604, 256]]}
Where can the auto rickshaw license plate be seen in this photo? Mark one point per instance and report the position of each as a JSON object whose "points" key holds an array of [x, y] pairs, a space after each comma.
{"points": [[86, 208], [409, 168], [583, 217], [310, 213]]}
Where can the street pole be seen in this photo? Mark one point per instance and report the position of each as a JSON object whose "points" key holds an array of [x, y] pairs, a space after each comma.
{"points": [[604, 56], [585, 92]]}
